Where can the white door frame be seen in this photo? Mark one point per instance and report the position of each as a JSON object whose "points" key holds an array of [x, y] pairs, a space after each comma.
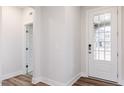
{"points": [[119, 61], [24, 46], [26, 22]]}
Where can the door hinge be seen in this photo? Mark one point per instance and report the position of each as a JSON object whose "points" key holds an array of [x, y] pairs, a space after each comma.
{"points": [[117, 55], [26, 48], [26, 31], [117, 75], [26, 66]]}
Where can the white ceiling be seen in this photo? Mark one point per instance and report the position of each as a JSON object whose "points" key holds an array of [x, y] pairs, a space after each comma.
{"points": [[22, 7]]}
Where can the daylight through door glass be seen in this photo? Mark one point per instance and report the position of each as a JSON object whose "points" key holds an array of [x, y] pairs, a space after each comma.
{"points": [[102, 37]]}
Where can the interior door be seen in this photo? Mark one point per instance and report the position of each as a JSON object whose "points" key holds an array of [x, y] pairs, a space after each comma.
{"points": [[102, 34]]}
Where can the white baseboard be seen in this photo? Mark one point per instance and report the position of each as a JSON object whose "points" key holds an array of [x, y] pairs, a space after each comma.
{"points": [[121, 82], [73, 80], [0, 83], [7, 76], [36, 80], [56, 83], [47, 81], [84, 74], [52, 82]]}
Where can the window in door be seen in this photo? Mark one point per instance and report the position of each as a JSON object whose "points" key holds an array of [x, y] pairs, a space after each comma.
{"points": [[102, 37]]}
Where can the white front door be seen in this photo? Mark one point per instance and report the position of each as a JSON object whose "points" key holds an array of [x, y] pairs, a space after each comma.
{"points": [[102, 34]]}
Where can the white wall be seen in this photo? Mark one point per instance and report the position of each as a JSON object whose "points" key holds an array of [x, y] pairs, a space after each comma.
{"points": [[57, 44], [0, 46], [37, 37], [11, 41], [122, 35]]}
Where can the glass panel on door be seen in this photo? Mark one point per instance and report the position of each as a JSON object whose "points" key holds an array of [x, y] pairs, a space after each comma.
{"points": [[102, 37]]}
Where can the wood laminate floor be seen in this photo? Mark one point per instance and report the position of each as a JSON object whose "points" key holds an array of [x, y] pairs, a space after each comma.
{"points": [[21, 80], [89, 81], [26, 80]]}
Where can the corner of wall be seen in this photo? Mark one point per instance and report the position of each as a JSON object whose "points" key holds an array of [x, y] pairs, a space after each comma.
{"points": [[73, 80]]}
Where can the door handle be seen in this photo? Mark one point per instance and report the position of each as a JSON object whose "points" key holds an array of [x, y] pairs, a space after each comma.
{"points": [[89, 48]]}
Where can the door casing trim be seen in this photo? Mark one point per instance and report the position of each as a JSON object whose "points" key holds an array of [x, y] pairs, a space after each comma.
{"points": [[24, 46]]}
